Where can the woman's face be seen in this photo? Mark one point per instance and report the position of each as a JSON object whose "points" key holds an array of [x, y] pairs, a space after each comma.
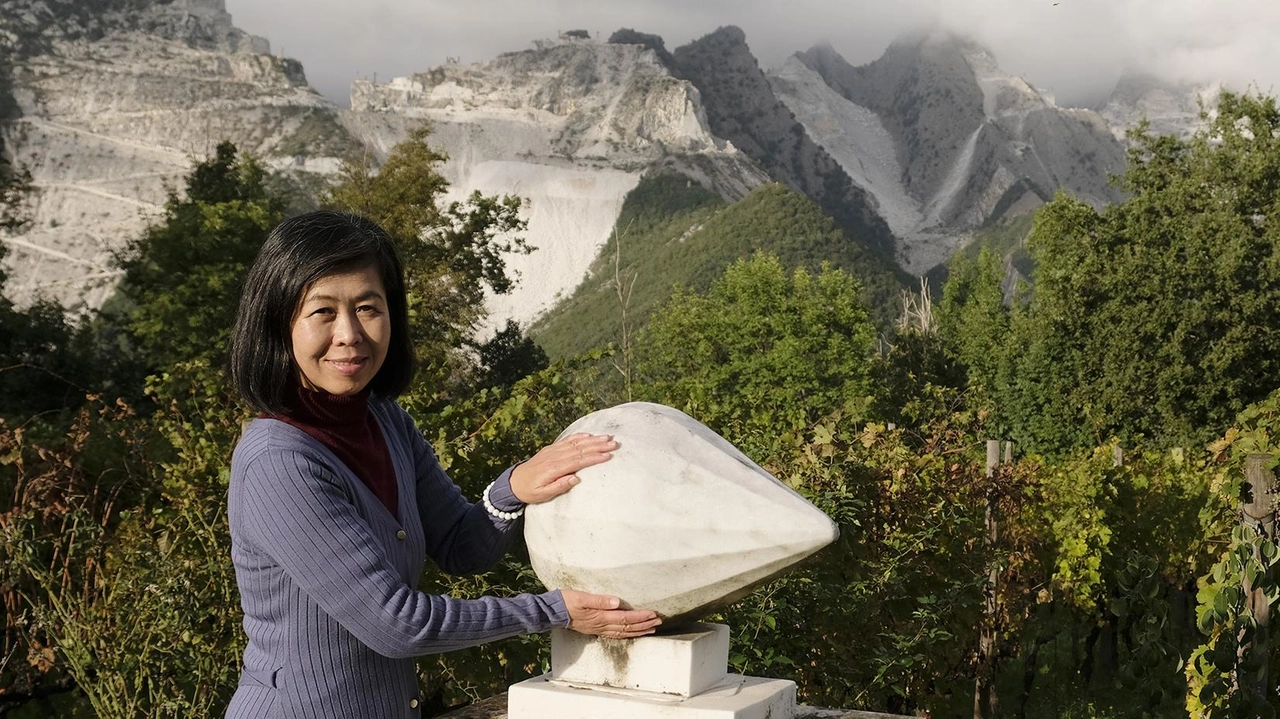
{"points": [[341, 331]]}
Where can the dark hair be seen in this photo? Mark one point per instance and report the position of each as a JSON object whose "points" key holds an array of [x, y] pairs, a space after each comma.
{"points": [[297, 253]]}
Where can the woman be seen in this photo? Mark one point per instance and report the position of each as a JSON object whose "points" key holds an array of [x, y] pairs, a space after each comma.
{"points": [[336, 498]]}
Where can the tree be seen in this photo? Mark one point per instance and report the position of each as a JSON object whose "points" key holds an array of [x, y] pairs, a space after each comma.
{"points": [[918, 377], [452, 253], [41, 369], [1157, 316], [973, 318], [508, 357], [182, 278], [42, 365], [15, 184], [761, 349]]}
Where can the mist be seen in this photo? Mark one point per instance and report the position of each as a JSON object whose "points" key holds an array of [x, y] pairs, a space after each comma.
{"points": [[1075, 48]]}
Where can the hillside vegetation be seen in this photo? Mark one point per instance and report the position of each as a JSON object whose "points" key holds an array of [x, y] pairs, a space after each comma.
{"points": [[671, 233], [1005, 238]]}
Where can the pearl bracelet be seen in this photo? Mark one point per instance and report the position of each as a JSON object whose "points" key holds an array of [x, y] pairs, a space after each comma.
{"points": [[488, 506]]}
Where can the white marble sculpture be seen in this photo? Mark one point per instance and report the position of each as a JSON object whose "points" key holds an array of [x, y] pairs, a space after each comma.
{"points": [[679, 521]]}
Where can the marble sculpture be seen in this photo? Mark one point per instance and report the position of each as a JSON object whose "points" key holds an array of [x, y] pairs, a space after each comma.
{"points": [[679, 521]]}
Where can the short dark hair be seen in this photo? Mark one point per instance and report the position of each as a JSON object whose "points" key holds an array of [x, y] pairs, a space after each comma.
{"points": [[297, 253]]}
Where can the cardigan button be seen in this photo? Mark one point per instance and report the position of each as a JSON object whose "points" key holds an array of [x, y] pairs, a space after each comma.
{"points": [[413, 703], [401, 535]]}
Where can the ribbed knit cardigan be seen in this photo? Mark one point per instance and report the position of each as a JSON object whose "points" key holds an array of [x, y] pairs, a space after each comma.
{"points": [[328, 578]]}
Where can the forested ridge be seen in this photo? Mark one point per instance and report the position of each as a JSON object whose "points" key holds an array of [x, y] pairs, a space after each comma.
{"points": [[1039, 492], [671, 232]]}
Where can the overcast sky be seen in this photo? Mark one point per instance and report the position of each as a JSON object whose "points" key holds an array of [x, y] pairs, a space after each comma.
{"points": [[1077, 48]]}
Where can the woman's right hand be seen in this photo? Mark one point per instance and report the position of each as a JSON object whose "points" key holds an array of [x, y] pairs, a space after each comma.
{"points": [[598, 614]]}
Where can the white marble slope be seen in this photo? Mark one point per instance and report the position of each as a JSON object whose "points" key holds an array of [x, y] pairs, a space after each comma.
{"points": [[679, 521]]}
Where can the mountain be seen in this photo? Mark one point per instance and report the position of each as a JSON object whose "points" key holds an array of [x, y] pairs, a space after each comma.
{"points": [[1170, 108], [742, 108], [107, 104], [944, 140], [34, 27], [572, 125]]}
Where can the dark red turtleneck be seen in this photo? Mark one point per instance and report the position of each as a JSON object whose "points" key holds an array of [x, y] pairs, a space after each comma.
{"points": [[344, 424]]}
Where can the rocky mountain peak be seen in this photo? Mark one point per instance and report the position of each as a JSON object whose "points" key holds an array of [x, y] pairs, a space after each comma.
{"points": [[106, 102], [725, 49], [943, 55], [820, 55], [944, 138], [725, 35], [627, 36], [587, 99], [1171, 108], [34, 27], [933, 40], [201, 24], [571, 125], [926, 94], [938, 52], [742, 108]]}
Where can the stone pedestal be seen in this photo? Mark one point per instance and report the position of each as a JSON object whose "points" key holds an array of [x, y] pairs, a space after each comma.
{"points": [[737, 697], [677, 676], [682, 664]]}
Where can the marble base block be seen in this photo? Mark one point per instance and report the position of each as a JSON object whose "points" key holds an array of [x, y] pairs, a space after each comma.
{"points": [[683, 664], [737, 697]]}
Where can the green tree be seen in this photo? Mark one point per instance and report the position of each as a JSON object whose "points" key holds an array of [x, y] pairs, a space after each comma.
{"points": [[43, 367], [181, 285], [761, 349], [507, 357], [918, 380], [15, 185], [1157, 316], [972, 318], [452, 252]]}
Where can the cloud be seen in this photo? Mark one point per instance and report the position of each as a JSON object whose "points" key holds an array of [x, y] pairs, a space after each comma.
{"points": [[1077, 48]]}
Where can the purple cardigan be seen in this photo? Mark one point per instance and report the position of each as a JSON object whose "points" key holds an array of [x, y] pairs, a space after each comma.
{"points": [[328, 578]]}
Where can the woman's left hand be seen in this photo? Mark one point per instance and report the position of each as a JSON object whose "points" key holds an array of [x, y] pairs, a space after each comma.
{"points": [[551, 472]]}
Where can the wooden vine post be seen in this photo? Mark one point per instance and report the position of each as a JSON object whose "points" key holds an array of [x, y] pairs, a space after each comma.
{"points": [[985, 702], [1259, 513]]}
